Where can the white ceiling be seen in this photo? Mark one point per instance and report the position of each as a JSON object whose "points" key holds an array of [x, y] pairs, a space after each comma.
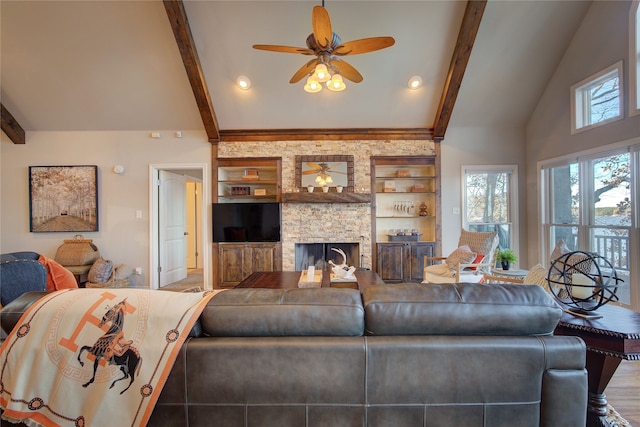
{"points": [[115, 65]]}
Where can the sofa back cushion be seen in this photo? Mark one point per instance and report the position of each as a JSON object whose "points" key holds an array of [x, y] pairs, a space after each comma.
{"points": [[459, 309], [20, 275], [284, 312]]}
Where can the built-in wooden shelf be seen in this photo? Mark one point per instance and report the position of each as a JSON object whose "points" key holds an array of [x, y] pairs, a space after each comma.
{"points": [[305, 197]]}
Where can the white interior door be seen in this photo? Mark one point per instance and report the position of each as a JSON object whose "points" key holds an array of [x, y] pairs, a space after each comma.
{"points": [[172, 227]]}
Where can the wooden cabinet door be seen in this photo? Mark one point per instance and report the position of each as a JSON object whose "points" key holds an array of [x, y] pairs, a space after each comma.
{"points": [[263, 258], [392, 261], [232, 261], [417, 252]]}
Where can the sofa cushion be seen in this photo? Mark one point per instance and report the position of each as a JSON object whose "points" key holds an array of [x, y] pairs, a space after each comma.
{"points": [[459, 309], [284, 312], [20, 275], [19, 255]]}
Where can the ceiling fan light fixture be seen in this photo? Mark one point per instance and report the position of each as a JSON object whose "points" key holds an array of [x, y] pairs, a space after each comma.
{"points": [[336, 83], [243, 82], [415, 82], [321, 73], [312, 85]]}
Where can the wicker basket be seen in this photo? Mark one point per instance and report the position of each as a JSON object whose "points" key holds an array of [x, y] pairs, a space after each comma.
{"points": [[77, 251]]}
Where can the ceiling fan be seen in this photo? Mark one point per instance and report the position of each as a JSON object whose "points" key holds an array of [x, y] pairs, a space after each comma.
{"points": [[328, 49]]}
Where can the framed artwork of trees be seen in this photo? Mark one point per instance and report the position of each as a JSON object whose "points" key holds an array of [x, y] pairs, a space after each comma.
{"points": [[63, 198]]}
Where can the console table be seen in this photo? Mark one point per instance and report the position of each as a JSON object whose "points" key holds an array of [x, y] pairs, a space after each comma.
{"points": [[609, 340], [289, 280]]}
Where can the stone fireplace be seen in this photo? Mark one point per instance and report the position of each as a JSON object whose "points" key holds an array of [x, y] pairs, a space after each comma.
{"points": [[326, 222]]}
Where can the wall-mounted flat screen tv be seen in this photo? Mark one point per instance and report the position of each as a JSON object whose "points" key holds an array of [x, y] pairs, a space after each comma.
{"points": [[246, 222]]}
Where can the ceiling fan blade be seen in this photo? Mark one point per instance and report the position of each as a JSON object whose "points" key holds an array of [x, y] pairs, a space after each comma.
{"points": [[363, 46], [285, 49], [321, 24], [347, 70], [305, 70]]}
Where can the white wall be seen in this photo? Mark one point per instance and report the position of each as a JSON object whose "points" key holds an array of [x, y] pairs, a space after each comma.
{"points": [[121, 238], [478, 146], [601, 40]]}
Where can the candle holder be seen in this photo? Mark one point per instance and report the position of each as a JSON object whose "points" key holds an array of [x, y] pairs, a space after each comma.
{"points": [[583, 282]]}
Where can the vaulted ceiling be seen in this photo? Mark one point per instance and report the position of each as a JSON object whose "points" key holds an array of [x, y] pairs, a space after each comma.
{"points": [[153, 65]]}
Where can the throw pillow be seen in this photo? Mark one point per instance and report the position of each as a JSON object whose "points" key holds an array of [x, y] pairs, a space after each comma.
{"points": [[58, 277], [477, 260], [122, 272], [100, 271], [461, 255], [537, 275]]}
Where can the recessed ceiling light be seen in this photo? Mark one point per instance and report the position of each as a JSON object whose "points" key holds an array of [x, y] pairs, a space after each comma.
{"points": [[415, 82], [243, 82]]}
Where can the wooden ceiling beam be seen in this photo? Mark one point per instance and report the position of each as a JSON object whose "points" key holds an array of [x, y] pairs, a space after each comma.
{"points": [[466, 38], [184, 38], [350, 134], [11, 127]]}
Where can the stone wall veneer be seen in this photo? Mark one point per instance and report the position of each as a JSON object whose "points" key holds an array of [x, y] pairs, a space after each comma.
{"points": [[326, 222]]}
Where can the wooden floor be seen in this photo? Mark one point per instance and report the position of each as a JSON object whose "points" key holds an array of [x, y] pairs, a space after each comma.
{"points": [[623, 391]]}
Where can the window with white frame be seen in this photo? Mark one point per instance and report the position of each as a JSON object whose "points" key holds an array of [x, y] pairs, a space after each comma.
{"points": [[490, 201], [634, 58], [597, 100], [590, 205]]}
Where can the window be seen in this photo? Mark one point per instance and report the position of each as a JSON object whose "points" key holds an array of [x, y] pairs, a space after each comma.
{"points": [[564, 192], [591, 206], [490, 200], [597, 100], [634, 58]]}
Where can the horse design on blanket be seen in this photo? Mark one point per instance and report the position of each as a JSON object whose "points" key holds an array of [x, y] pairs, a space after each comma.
{"points": [[114, 348]]}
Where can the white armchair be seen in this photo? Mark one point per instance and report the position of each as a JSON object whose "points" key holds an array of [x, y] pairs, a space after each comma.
{"points": [[460, 266]]}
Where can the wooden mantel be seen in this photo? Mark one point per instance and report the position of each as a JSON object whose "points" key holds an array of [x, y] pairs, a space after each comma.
{"points": [[320, 197]]}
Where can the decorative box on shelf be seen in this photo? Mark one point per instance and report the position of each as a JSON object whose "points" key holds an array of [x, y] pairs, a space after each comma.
{"points": [[389, 186], [403, 173], [240, 191], [251, 175]]}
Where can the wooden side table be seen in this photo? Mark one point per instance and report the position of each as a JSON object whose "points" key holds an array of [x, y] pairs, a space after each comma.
{"points": [[609, 340]]}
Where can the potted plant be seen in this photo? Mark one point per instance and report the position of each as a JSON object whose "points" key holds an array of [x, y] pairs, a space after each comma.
{"points": [[506, 257]]}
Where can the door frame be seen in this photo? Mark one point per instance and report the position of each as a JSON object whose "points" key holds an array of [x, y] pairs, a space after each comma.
{"points": [[154, 168]]}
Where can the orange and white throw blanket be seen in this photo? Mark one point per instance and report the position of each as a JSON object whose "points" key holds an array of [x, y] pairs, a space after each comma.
{"points": [[94, 357]]}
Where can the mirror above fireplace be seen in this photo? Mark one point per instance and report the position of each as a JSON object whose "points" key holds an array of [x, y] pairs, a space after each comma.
{"points": [[330, 171]]}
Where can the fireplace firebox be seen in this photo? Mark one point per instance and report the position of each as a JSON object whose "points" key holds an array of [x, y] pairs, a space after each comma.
{"points": [[319, 254]]}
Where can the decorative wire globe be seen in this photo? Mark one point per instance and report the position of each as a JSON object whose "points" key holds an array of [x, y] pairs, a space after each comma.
{"points": [[583, 281]]}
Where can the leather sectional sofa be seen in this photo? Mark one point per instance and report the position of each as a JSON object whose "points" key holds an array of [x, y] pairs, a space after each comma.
{"points": [[396, 355]]}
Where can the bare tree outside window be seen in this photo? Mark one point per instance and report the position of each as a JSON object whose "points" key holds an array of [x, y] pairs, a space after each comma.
{"points": [[604, 100], [488, 203]]}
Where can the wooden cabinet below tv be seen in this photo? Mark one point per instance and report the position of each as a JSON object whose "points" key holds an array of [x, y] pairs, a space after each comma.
{"points": [[236, 261]]}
